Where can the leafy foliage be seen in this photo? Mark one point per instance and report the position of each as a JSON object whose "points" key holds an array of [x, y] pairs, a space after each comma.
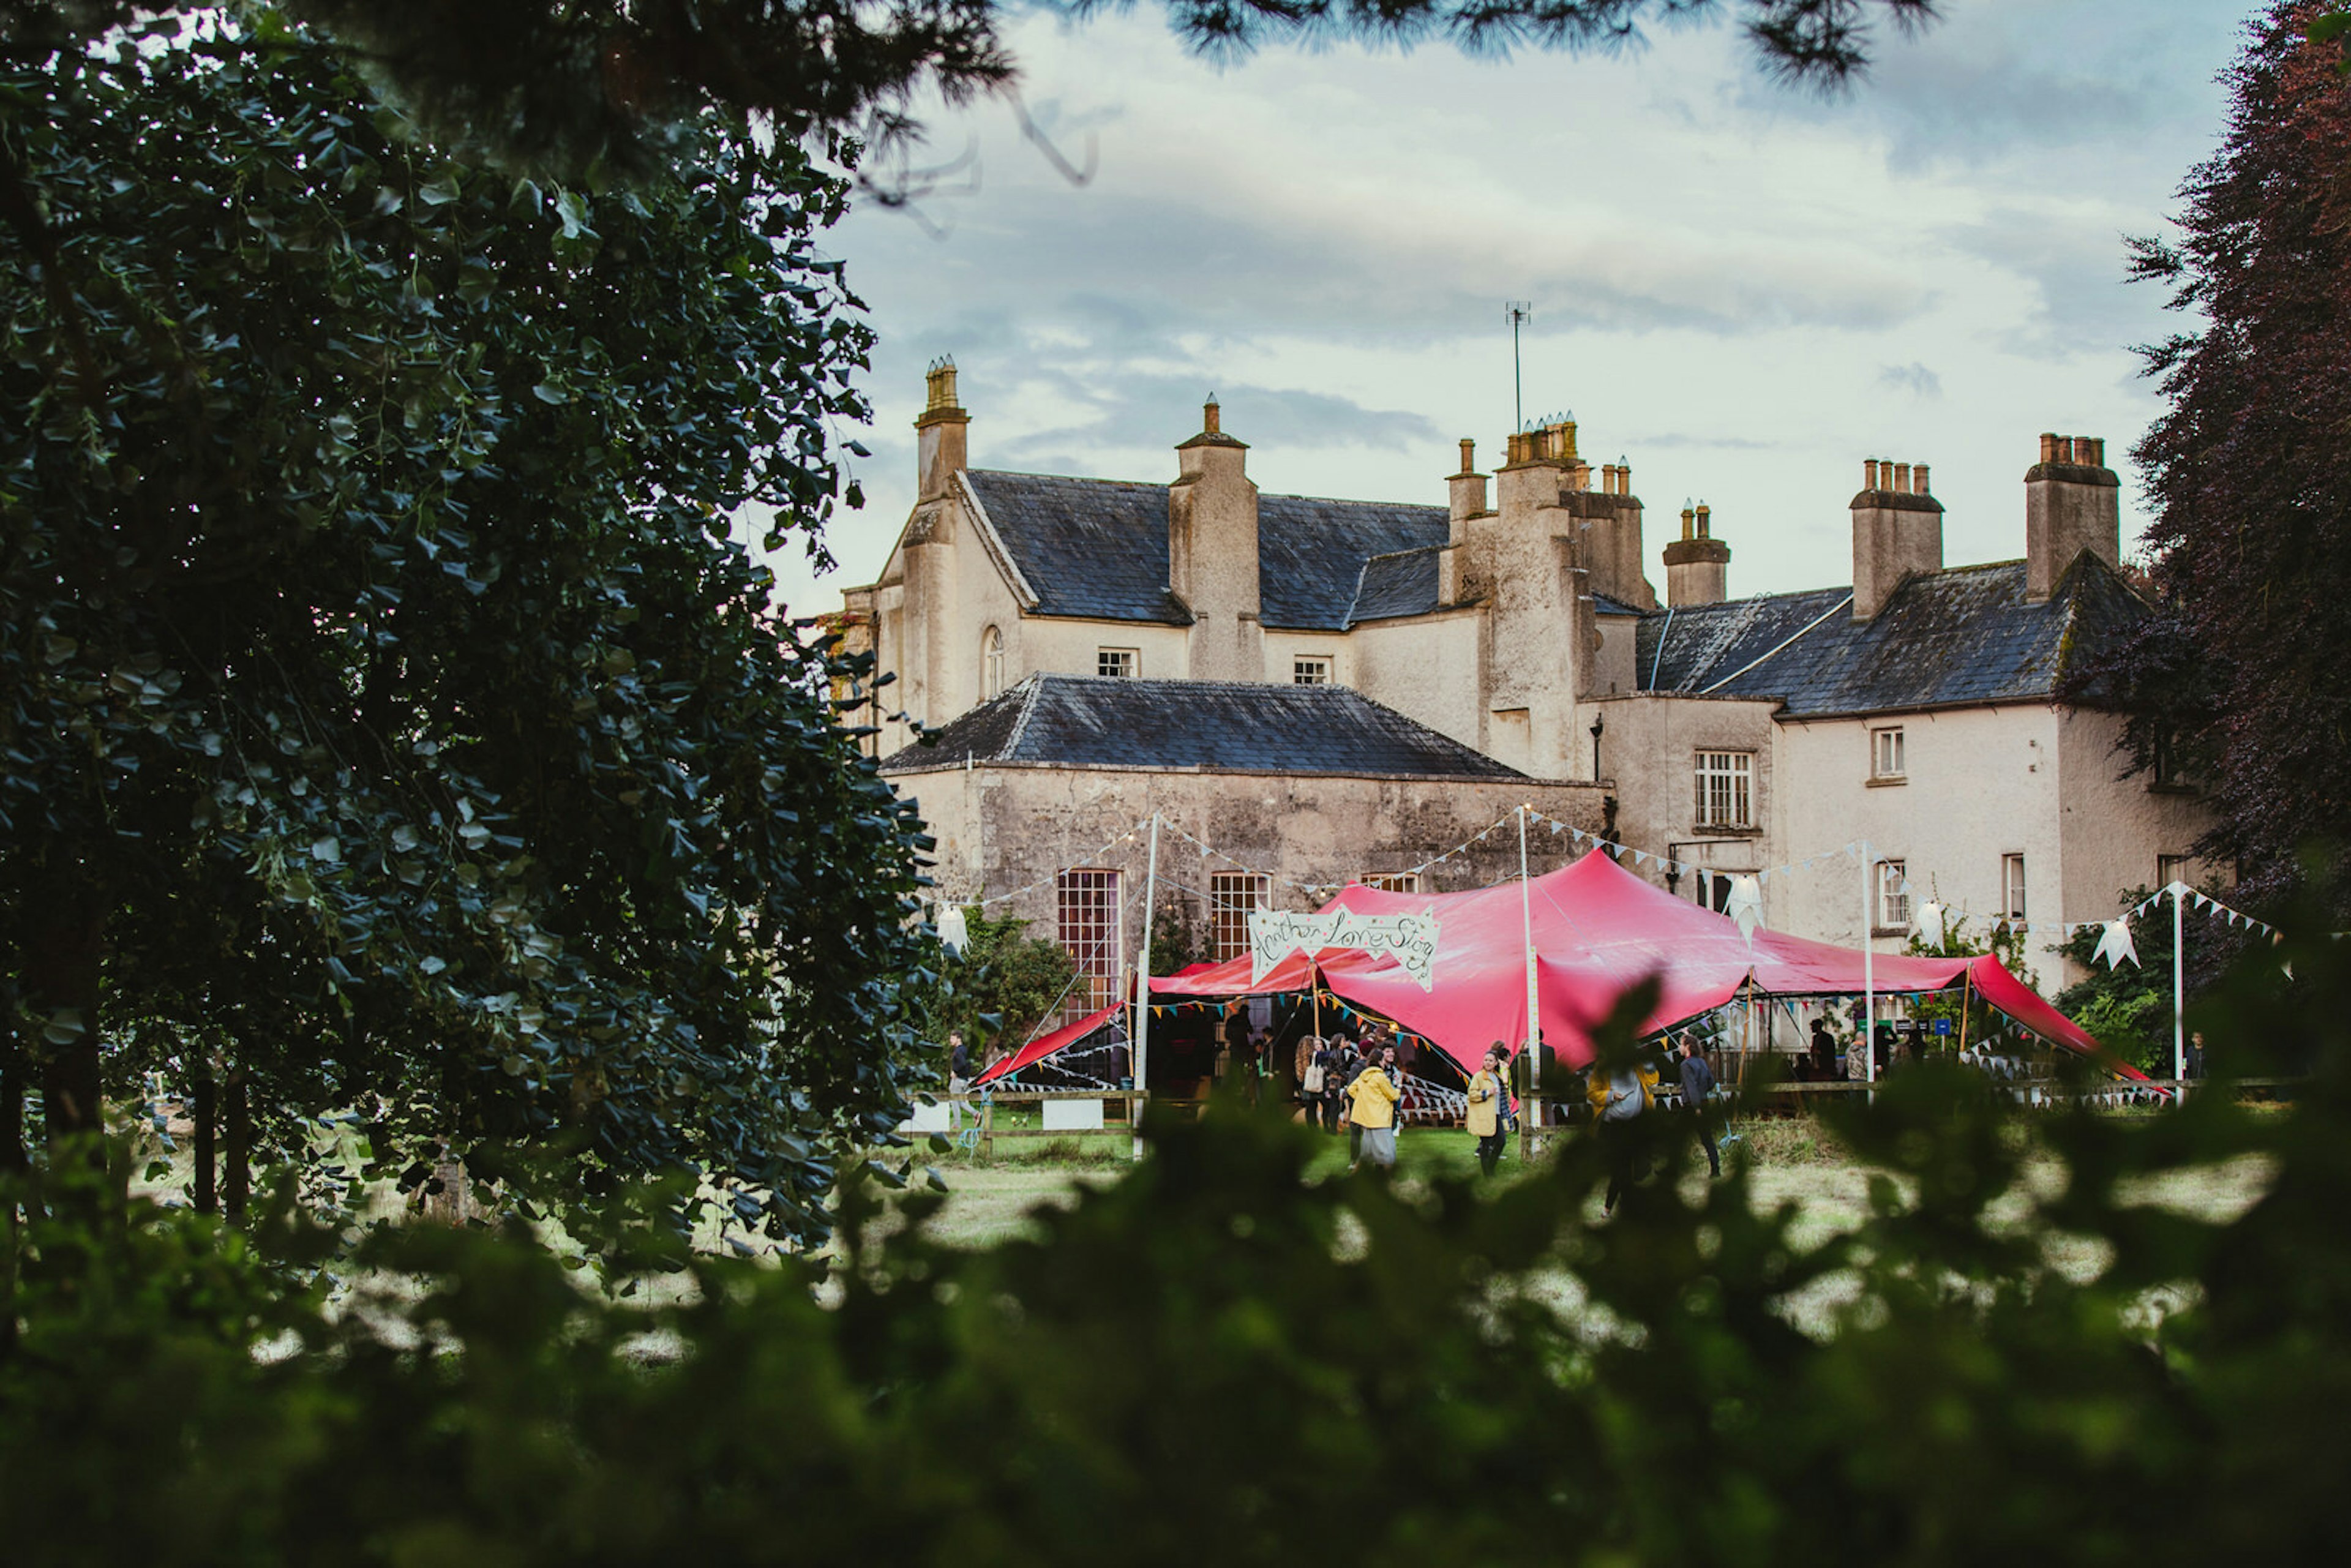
{"points": [[1004, 983], [2236, 673], [386, 706], [2009, 943], [2128, 1006], [1213, 1361], [562, 86]]}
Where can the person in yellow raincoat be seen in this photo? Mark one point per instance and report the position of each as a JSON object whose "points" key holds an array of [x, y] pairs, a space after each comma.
{"points": [[1371, 1104], [1489, 1096]]}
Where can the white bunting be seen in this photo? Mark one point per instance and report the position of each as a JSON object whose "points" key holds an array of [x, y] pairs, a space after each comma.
{"points": [[1930, 924], [1744, 905], [2114, 947]]}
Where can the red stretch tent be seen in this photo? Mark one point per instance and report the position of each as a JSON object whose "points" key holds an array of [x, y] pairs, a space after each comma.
{"points": [[1598, 930], [1043, 1046]]}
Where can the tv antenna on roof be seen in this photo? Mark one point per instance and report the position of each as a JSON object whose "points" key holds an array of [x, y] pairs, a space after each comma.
{"points": [[1522, 311]]}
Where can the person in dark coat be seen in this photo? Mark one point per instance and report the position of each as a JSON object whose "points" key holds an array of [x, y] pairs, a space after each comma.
{"points": [[1824, 1066], [1698, 1082]]}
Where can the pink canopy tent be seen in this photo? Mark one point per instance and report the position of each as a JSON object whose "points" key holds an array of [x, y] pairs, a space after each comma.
{"points": [[1045, 1045], [1598, 930]]}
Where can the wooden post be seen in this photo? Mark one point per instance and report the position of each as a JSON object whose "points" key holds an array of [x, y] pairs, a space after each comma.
{"points": [[987, 1128], [1139, 1041]]}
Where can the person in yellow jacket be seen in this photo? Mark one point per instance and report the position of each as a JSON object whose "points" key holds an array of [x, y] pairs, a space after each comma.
{"points": [[1372, 1099], [1488, 1094], [1617, 1099]]}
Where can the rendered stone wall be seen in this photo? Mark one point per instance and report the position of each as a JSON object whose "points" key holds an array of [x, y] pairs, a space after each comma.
{"points": [[1003, 828]]}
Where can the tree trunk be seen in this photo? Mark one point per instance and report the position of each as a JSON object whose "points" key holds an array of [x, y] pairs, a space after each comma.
{"points": [[63, 972], [205, 1110], [14, 1162], [240, 1142]]}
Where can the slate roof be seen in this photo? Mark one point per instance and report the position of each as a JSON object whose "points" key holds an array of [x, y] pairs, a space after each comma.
{"points": [[1961, 636], [1403, 583], [1098, 549], [1217, 726]]}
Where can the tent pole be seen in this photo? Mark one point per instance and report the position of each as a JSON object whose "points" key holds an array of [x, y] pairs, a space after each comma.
{"points": [[1141, 1031], [1967, 989], [1869, 968], [1533, 1047], [2178, 990]]}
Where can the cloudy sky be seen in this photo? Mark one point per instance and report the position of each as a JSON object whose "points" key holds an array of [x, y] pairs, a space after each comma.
{"points": [[1742, 291]]}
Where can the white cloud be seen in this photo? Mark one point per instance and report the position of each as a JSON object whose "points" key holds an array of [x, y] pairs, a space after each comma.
{"points": [[1739, 290]]}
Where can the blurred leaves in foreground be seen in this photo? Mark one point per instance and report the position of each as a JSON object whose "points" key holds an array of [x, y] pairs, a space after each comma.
{"points": [[2016, 1353]]}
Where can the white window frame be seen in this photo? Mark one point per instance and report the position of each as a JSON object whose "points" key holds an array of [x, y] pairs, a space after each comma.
{"points": [[1119, 663], [991, 662], [2013, 888], [1725, 789], [1232, 896], [1394, 881], [2169, 869], [1887, 749], [1890, 904], [1311, 669]]}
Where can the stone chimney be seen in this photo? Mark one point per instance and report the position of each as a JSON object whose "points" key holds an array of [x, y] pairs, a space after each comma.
{"points": [[941, 444], [1697, 565], [1466, 491], [2073, 503], [1212, 561], [1897, 532]]}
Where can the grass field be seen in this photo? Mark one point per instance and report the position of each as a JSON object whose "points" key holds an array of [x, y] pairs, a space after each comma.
{"points": [[1789, 1160]]}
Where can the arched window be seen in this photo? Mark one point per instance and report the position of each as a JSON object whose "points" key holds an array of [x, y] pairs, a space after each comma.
{"points": [[992, 662]]}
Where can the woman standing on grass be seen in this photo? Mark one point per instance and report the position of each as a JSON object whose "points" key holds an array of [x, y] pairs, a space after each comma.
{"points": [[1486, 1093], [1371, 1098]]}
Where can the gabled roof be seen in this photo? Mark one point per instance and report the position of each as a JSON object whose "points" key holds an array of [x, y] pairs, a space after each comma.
{"points": [[1216, 727], [1949, 638], [1098, 549]]}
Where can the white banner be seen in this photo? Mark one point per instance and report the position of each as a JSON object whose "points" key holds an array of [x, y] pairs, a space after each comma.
{"points": [[1409, 939]]}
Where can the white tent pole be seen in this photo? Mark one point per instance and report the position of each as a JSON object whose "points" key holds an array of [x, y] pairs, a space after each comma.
{"points": [[1140, 1030], [1868, 963], [1532, 1049], [2179, 987]]}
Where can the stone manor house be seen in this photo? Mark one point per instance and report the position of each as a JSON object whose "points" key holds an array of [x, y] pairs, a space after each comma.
{"points": [[1309, 691]]}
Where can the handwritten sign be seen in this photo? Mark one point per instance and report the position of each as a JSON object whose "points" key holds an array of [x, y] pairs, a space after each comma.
{"points": [[1409, 939]]}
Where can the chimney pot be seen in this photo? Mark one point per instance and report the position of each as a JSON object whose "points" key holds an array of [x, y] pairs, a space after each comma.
{"points": [[1705, 530], [1209, 414], [1919, 479], [1901, 479], [940, 383], [2048, 447], [1468, 455], [1689, 523], [1869, 474]]}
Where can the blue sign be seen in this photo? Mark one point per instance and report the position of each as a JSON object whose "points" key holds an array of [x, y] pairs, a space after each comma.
{"points": [[1942, 1026]]}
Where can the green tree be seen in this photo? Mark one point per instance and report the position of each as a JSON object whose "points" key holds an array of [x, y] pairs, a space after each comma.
{"points": [[1005, 982], [384, 698], [565, 85], [2127, 1006], [1981, 1019]]}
